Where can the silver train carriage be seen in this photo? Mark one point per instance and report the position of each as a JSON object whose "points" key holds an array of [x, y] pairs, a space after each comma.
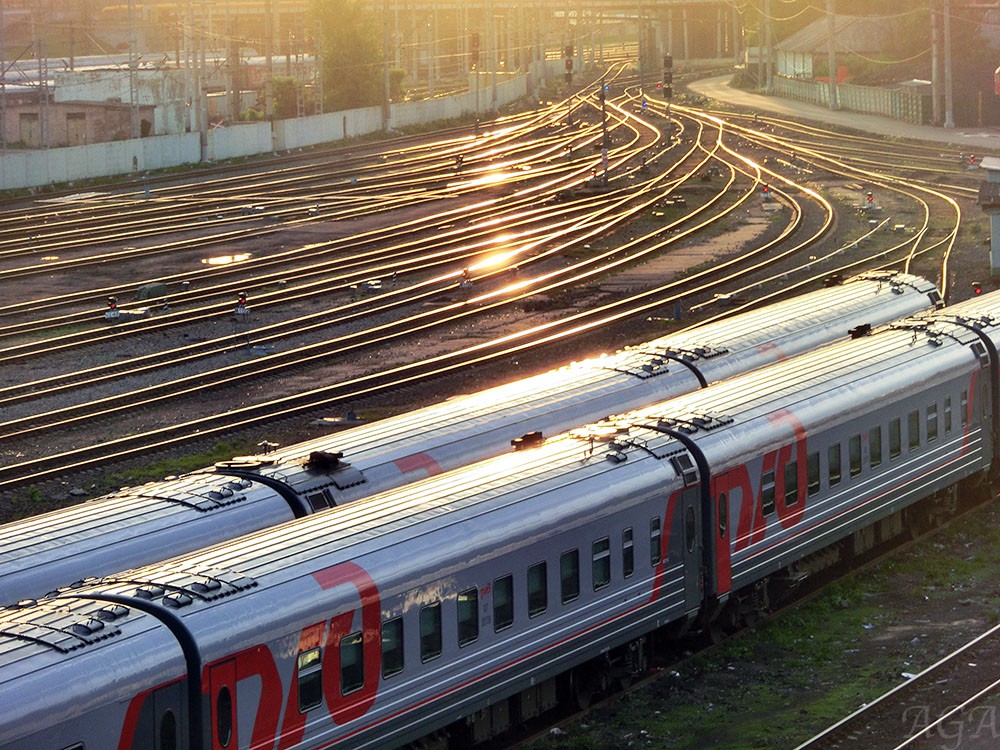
{"points": [[458, 604], [140, 525]]}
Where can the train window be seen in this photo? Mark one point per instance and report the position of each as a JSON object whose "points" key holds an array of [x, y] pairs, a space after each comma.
{"points": [[503, 603], [468, 616], [430, 632], [689, 528], [833, 464], [392, 646], [875, 447], [854, 454], [654, 541], [767, 493], [538, 589], [791, 483], [895, 439], [947, 415], [932, 423], [224, 716], [913, 429], [310, 680], [812, 465], [601, 563], [628, 553], [723, 506], [168, 732], [569, 575], [352, 663], [964, 409]]}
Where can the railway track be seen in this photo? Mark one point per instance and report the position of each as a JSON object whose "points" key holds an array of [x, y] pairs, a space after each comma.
{"points": [[60, 404], [920, 712]]}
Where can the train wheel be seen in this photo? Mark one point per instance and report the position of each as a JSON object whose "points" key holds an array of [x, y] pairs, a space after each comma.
{"points": [[581, 688], [587, 681]]}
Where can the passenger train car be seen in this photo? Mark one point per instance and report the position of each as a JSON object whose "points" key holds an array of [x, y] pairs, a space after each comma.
{"points": [[451, 607], [140, 525]]}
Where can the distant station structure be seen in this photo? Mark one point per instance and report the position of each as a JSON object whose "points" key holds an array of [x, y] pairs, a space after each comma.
{"points": [[989, 201], [168, 67]]}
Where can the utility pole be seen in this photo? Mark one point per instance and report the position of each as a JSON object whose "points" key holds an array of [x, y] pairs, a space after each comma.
{"points": [[43, 87], [133, 94], [386, 109], [3, 85], [935, 65], [494, 58], [269, 57], [949, 121], [769, 86], [831, 52], [202, 108]]}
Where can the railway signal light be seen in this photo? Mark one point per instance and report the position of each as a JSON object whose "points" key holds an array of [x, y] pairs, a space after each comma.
{"points": [[474, 53], [977, 289], [765, 190], [870, 200]]}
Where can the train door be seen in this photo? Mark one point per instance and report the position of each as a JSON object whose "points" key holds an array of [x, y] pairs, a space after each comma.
{"points": [[169, 725], [222, 693], [691, 541]]}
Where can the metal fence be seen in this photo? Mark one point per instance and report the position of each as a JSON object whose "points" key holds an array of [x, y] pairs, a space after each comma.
{"points": [[899, 104]]}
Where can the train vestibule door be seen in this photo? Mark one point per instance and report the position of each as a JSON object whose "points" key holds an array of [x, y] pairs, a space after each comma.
{"points": [[222, 694], [691, 541], [170, 718]]}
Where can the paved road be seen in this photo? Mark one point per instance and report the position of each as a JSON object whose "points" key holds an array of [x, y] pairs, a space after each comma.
{"points": [[976, 140]]}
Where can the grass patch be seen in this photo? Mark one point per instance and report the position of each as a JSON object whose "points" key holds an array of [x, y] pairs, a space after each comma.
{"points": [[33, 500], [221, 451]]}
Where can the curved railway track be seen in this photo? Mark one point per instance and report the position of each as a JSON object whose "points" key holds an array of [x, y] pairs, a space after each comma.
{"points": [[532, 230]]}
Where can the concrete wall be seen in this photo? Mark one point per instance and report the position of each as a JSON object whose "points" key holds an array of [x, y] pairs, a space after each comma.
{"points": [[33, 168], [243, 139], [23, 169]]}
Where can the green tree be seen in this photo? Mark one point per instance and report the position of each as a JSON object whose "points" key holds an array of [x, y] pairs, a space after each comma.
{"points": [[351, 40], [285, 98]]}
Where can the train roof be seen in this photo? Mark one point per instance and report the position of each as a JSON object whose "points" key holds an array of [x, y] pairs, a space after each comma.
{"points": [[805, 320], [614, 448], [161, 519]]}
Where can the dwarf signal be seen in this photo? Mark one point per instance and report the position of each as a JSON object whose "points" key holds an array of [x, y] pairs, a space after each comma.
{"points": [[241, 304]]}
